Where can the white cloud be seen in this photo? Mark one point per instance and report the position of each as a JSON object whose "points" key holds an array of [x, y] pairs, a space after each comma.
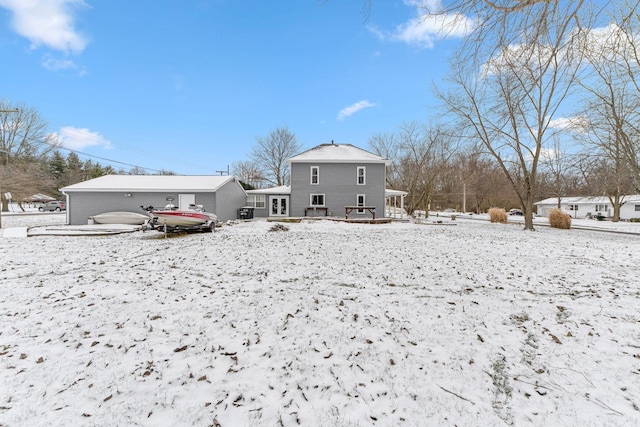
{"points": [[352, 109], [79, 139], [576, 124], [425, 29], [54, 64], [549, 154], [47, 22]]}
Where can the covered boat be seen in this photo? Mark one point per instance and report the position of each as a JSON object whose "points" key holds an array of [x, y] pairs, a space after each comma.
{"points": [[129, 218]]}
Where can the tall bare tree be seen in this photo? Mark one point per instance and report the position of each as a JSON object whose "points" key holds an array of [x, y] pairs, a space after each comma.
{"points": [[270, 154], [612, 109], [507, 95]]}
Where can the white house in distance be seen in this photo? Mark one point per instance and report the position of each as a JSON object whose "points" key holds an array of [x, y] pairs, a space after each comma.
{"points": [[588, 207]]}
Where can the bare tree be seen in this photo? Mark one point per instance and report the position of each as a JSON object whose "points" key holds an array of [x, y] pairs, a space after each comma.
{"points": [[508, 94], [480, 185], [554, 164], [23, 134], [614, 175], [22, 178], [271, 154], [24, 144], [612, 109], [419, 154], [248, 173], [137, 170]]}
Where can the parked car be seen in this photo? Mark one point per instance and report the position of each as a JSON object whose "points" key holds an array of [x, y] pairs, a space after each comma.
{"points": [[56, 206], [516, 212]]}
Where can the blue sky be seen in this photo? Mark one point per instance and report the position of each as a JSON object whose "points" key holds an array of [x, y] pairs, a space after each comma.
{"points": [[188, 85]]}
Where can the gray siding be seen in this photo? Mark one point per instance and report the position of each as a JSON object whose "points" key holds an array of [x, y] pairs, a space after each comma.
{"points": [[83, 204], [338, 182], [228, 200], [261, 212], [264, 212]]}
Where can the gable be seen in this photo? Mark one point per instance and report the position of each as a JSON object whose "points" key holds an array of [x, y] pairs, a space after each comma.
{"points": [[337, 153]]}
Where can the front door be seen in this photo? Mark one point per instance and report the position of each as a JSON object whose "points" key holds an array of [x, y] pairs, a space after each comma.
{"points": [[279, 205]]}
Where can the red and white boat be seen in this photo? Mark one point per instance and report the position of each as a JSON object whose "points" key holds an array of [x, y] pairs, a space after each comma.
{"points": [[171, 219]]}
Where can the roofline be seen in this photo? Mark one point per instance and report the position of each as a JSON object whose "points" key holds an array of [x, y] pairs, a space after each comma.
{"points": [[382, 160], [585, 200], [361, 161], [67, 189]]}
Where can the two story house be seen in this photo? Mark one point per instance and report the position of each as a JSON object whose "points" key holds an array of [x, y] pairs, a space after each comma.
{"points": [[330, 180]]}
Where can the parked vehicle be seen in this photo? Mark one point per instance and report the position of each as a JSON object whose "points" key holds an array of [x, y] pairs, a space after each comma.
{"points": [[516, 212], [55, 205]]}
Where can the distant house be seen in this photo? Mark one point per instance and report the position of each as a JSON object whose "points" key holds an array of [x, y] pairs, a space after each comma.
{"points": [[222, 195], [587, 207], [330, 180]]}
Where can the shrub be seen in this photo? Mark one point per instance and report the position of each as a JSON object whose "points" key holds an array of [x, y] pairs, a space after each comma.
{"points": [[498, 215], [559, 219]]}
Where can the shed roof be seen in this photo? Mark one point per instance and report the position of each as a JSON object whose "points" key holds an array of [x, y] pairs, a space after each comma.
{"points": [[151, 183], [337, 153]]}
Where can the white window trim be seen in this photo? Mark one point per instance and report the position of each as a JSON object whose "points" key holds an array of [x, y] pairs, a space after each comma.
{"points": [[317, 175], [364, 175], [252, 200], [324, 200], [364, 202]]}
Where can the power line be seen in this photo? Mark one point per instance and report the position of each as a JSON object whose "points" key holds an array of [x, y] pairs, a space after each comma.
{"points": [[104, 158], [85, 134]]}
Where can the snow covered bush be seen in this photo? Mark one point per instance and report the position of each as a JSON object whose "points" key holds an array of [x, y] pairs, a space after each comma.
{"points": [[498, 215], [559, 219]]}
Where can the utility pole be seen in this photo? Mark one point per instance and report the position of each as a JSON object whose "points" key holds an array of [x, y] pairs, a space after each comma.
{"points": [[15, 110], [223, 172], [464, 197]]}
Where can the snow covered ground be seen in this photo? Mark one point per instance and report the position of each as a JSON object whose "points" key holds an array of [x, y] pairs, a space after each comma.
{"points": [[324, 324]]}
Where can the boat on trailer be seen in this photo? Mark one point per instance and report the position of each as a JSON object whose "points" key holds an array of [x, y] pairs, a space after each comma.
{"points": [[170, 219]]}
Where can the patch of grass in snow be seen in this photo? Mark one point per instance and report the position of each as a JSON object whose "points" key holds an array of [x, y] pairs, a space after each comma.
{"points": [[502, 394]]}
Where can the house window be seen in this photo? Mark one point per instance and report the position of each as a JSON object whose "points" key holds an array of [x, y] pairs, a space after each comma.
{"points": [[362, 175], [257, 201], [602, 208], [637, 208], [360, 202], [572, 207], [316, 200], [315, 175]]}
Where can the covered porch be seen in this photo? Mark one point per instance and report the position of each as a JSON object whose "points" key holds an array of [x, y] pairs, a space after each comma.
{"points": [[394, 204]]}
